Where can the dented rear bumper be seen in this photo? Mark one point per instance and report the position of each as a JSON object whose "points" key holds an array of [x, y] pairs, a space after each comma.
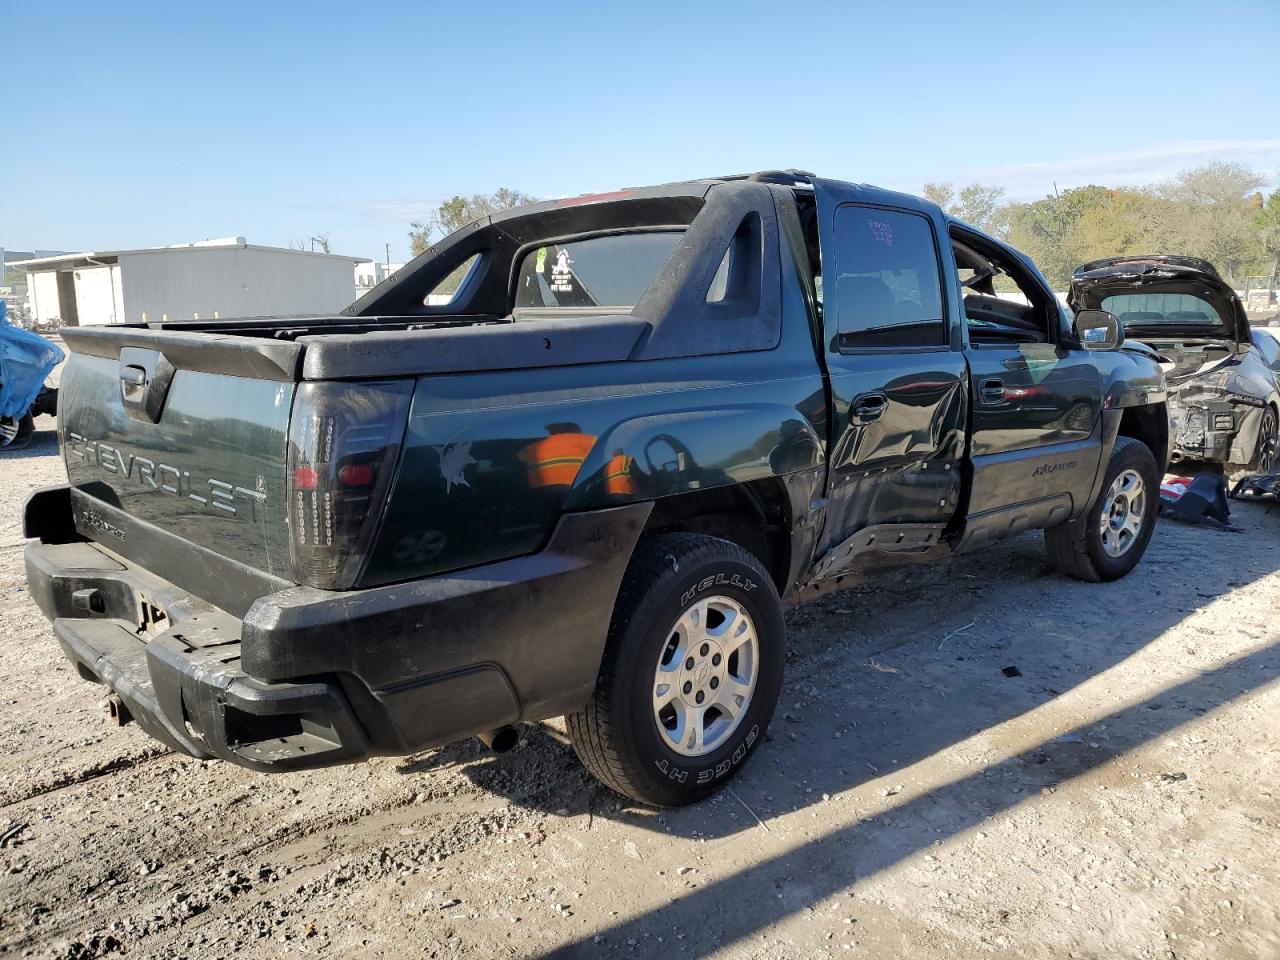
{"points": [[310, 677]]}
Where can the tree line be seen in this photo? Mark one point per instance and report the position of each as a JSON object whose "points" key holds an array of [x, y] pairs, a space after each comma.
{"points": [[1216, 211]]}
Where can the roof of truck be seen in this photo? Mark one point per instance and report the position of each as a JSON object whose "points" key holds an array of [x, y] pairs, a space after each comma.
{"points": [[801, 179]]}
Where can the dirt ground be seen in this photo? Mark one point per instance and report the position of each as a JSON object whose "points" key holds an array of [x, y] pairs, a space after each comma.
{"points": [[1115, 797]]}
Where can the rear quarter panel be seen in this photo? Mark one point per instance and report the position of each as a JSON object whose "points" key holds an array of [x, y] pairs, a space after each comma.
{"points": [[479, 482]]}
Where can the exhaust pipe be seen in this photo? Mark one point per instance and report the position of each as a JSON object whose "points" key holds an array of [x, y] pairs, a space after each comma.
{"points": [[500, 740], [118, 711]]}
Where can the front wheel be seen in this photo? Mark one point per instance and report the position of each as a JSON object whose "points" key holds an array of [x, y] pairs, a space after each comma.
{"points": [[1265, 457], [1109, 540], [691, 672]]}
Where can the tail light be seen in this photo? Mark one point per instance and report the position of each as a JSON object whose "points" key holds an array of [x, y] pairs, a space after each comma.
{"points": [[343, 443]]}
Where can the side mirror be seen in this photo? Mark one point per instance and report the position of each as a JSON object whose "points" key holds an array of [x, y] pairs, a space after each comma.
{"points": [[1098, 330]]}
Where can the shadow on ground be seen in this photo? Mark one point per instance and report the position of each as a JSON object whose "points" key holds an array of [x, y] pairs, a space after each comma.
{"points": [[853, 711], [43, 443], [830, 863]]}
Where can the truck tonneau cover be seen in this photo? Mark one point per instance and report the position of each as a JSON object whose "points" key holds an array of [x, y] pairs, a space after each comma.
{"points": [[480, 347]]}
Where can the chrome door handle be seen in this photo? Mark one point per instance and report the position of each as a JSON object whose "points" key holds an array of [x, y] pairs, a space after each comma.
{"points": [[991, 392]]}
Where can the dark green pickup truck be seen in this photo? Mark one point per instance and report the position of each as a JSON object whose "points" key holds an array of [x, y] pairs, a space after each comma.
{"points": [[572, 460]]}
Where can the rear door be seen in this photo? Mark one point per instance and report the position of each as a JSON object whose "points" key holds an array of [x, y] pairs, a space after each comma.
{"points": [[898, 377]]}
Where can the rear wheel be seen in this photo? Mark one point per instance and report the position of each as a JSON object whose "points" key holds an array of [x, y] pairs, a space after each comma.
{"points": [[1112, 535], [690, 675]]}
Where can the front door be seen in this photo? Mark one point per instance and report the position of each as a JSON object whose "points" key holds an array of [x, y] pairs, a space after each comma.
{"points": [[1036, 398], [898, 382]]}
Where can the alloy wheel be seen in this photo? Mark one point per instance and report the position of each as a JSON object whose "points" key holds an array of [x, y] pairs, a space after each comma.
{"points": [[1122, 513], [706, 675], [1267, 442]]}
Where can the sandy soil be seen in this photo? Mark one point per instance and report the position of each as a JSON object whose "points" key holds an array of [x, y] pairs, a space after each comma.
{"points": [[1116, 797]]}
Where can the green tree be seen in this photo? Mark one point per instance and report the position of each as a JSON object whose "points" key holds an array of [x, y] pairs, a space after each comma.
{"points": [[1267, 222], [981, 206], [1216, 219], [1043, 229], [943, 194], [975, 204], [458, 211]]}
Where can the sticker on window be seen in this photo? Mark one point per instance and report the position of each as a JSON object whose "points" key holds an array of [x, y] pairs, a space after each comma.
{"points": [[561, 275], [881, 231]]}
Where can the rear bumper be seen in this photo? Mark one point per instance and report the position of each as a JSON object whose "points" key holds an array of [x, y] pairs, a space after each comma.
{"points": [[184, 685], [311, 678]]}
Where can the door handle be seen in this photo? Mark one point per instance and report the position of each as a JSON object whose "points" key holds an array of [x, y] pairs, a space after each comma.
{"points": [[870, 408], [991, 392], [133, 383], [133, 376]]}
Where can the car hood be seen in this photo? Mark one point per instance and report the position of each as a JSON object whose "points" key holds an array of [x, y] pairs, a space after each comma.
{"points": [[1162, 273]]}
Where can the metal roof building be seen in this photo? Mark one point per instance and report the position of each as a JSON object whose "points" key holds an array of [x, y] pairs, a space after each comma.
{"points": [[213, 278]]}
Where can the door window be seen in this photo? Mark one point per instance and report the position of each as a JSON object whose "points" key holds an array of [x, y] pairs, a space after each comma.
{"points": [[888, 289], [1003, 304]]}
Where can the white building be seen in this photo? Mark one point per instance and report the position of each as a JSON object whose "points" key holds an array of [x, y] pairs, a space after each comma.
{"points": [[213, 278], [370, 273]]}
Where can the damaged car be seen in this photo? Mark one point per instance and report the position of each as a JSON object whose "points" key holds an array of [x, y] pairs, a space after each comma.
{"points": [[1223, 397]]}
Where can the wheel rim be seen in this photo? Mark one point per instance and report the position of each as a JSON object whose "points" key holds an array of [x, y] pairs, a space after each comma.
{"points": [[1267, 442], [706, 676], [1122, 513]]}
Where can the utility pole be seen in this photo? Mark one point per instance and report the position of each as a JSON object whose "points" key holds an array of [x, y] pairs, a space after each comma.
{"points": [[388, 258]]}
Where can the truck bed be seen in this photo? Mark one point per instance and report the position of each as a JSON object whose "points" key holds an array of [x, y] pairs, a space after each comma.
{"points": [[337, 348]]}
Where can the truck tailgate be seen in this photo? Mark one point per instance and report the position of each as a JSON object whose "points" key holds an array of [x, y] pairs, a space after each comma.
{"points": [[210, 469]]}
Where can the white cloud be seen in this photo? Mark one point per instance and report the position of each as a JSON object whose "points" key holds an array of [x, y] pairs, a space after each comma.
{"points": [[399, 210], [1025, 181]]}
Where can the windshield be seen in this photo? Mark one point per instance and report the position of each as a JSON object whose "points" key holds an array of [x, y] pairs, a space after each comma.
{"points": [[1163, 310], [612, 271]]}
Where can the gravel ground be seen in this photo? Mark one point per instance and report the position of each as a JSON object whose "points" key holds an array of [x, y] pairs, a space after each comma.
{"points": [[1114, 797]]}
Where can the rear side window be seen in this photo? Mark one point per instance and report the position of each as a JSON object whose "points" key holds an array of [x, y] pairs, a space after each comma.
{"points": [[888, 291], [612, 271]]}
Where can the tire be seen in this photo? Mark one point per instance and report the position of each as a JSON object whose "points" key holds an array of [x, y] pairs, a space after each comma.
{"points": [[26, 430], [1081, 550], [628, 731], [1265, 456]]}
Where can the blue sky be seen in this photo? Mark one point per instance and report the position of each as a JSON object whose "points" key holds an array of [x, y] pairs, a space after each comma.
{"points": [[139, 123]]}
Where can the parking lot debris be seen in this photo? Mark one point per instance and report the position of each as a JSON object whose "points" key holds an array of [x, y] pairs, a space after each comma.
{"points": [[1011, 671], [1257, 486], [1200, 502]]}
